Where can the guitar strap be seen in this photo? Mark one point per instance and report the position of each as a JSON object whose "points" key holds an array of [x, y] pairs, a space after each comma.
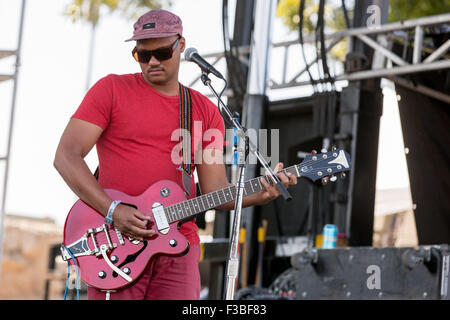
{"points": [[186, 136]]}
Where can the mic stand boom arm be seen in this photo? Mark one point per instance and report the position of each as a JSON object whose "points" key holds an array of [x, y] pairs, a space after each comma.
{"points": [[243, 149]]}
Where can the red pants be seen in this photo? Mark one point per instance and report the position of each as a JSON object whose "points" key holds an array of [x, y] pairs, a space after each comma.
{"points": [[165, 278]]}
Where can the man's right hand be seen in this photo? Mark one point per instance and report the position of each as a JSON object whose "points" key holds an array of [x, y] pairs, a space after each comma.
{"points": [[131, 222]]}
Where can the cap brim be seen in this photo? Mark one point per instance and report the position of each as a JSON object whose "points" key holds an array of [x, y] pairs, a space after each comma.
{"points": [[153, 36]]}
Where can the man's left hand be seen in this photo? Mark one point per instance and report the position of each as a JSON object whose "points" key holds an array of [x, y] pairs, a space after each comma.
{"points": [[271, 192]]}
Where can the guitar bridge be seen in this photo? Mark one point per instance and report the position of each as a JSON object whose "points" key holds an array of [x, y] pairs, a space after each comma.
{"points": [[81, 247]]}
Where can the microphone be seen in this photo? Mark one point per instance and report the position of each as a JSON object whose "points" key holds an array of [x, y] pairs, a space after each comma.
{"points": [[192, 55]]}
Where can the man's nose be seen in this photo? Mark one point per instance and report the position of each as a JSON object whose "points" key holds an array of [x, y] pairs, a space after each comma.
{"points": [[153, 61]]}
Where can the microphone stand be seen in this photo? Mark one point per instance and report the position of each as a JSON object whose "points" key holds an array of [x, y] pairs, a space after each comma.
{"points": [[244, 148]]}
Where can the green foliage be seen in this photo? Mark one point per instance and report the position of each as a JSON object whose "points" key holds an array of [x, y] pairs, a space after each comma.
{"points": [[410, 9], [334, 18], [89, 10]]}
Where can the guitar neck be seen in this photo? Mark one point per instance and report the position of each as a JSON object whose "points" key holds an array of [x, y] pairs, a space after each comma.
{"points": [[191, 207]]}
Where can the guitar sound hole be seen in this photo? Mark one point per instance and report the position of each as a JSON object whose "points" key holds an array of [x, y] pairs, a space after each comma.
{"points": [[131, 257]]}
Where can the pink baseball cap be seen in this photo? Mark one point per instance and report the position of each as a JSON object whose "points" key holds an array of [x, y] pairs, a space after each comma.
{"points": [[157, 24]]}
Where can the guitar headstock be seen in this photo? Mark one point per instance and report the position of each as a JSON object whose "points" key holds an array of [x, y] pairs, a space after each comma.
{"points": [[325, 165]]}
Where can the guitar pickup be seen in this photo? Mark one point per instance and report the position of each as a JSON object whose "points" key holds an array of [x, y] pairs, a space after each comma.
{"points": [[160, 218]]}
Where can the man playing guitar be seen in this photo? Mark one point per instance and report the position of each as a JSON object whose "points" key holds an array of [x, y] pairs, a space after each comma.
{"points": [[131, 118]]}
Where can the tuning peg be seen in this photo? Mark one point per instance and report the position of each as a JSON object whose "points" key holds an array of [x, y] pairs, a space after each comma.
{"points": [[313, 152], [343, 175], [325, 180], [333, 148], [324, 150], [333, 178]]}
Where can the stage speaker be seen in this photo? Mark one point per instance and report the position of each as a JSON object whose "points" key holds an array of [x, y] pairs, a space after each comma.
{"points": [[373, 273]]}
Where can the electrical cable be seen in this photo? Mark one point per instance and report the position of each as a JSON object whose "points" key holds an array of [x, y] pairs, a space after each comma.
{"points": [[300, 13], [320, 29], [347, 19], [234, 74], [68, 274]]}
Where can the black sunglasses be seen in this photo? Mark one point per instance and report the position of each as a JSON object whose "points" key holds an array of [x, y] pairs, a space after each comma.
{"points": [[161, 54]]}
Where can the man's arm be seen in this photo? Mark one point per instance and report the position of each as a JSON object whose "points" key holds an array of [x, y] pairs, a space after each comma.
{"points": [[212, 177], [78, 139]]}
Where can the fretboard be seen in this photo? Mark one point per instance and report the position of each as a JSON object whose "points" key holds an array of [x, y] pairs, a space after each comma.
{"points": [[191, 207]]}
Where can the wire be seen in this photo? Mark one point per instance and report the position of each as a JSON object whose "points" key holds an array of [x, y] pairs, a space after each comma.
{"points": [[347, 19], [235, 72], [300, 13], [67, 281], [68, 274], [320, 29]]}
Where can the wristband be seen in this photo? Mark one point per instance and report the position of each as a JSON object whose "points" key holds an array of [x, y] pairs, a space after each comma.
{"points": [[109, 218]]}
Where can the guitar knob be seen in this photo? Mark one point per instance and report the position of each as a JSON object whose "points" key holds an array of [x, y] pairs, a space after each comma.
{"points": [[325, 181], [102, 274], [173, 242], [333, 178], [126, 270], [343, 175]]}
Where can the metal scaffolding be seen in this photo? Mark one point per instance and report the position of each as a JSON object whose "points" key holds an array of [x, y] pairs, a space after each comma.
{"points": [[6, 157], [386, 63]]}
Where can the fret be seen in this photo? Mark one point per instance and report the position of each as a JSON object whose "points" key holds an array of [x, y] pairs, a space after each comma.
{"points": [[188, 205], [216, 197], [261, 187], [172, 213], [256, 187], [203, 203], [229, 195], [224, 196], [196, 205], [209, 199], [233, 192], [251, 186], [189, 211], [174, 210], [183, 210], [179, 211], [194, 210], [168, 215], [221, 195]]}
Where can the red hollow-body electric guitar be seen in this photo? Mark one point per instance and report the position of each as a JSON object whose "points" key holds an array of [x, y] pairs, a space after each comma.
{"points": [[108, 260]]}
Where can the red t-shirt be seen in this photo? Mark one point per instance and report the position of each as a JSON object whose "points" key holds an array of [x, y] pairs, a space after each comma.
{"points": [[136, 146]]}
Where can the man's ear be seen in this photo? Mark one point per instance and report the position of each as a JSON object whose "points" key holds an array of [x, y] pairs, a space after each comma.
{"points": [[182, 44]]}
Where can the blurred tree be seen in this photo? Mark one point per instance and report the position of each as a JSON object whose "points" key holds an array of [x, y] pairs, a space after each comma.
{"points": [[410, 9], [288, 11], [89, 11]]}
